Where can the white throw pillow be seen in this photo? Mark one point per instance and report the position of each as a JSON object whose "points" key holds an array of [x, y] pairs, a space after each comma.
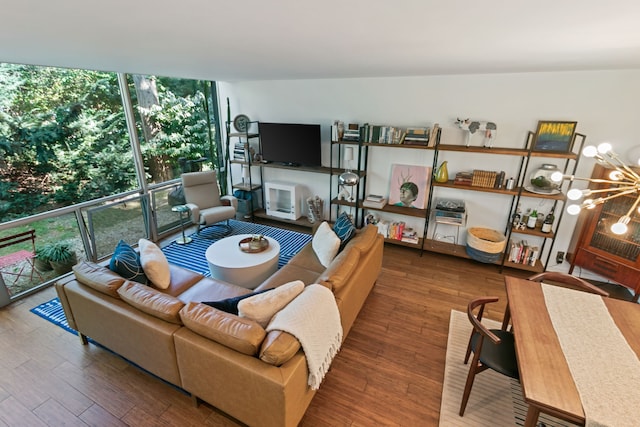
{"points": [[262, 307], [325, 243], [154, 264]]}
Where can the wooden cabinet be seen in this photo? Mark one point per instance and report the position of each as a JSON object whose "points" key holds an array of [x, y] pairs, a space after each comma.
{"points": [[595, 248]]}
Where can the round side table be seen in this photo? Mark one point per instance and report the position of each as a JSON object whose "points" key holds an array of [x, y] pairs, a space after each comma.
{"points": [[182, 210]]}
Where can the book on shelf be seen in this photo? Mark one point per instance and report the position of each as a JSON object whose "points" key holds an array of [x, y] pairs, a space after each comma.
{"points": [[485, 179], [375, 197], [451, 205], [409, 235], [374, 205], [463, 178], [520, 252]]}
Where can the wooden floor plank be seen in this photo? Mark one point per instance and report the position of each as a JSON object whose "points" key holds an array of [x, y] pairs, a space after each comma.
{"points": [[388, 372]]}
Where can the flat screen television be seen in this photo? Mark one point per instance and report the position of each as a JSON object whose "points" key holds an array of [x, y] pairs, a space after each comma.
{"points": [[290, 143]]}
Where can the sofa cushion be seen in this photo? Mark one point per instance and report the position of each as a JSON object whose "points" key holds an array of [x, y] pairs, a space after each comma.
{"points": [[209, 289], [344, 229], [126, 262], [278, 347], [262, 306], [154, 264], [238, 333], [181, 280], [307, 259], [98, 277], [325, 244], [152, 301], [365, 238], [230, 305], [288, 273], [340, 270]]}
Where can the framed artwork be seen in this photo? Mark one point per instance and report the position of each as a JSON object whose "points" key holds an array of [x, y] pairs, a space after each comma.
{"points": [[554, 136], [409, 186]]}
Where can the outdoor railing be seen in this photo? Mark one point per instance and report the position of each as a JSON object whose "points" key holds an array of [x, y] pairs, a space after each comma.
{"points": [[93, 229]]}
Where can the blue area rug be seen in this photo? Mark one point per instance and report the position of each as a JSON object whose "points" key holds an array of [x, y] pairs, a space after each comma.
{"points": [[191, 255], [53, 312]]}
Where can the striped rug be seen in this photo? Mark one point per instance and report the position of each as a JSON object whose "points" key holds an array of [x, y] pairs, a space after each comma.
{"points": [[495, 400], [191, 255]]}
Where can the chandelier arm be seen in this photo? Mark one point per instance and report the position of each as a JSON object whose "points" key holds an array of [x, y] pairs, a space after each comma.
{"points": [[604, 190], [622, 168], [594, 180], [631, 173], [613, 196], [633, 207]]}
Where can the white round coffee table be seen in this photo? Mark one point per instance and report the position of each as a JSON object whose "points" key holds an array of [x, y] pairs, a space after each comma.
{"points": [[227, 262]]}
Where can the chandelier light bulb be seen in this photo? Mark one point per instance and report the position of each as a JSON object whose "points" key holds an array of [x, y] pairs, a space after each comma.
{"points": [[574, 194], [604, 148], [616, 175], [589, 204], [620, 227], [589, 151], [573, 209], [557, 176]]}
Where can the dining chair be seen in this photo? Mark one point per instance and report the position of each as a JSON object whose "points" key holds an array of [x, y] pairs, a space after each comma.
{"points": [[558, 279], [492, 348]]}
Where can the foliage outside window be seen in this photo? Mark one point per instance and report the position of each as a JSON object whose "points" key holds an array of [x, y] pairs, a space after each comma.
{"points": [[64, 139]]}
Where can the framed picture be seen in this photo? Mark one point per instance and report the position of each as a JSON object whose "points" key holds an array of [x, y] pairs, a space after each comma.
{"points": [[554, 136], [409, 186]]}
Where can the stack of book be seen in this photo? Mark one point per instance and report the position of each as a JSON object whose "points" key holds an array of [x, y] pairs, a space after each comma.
{"points": [[352, 132], [374, 201], [450, 211], [463, 178], [409, 235], [520, 252], [417, 136], [240, 151]]}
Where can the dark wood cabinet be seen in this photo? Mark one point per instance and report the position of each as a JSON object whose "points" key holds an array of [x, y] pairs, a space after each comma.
{"points": [[595, 248]]}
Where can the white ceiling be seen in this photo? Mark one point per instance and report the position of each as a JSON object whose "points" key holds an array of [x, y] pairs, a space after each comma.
{"points": [[288, 39]]}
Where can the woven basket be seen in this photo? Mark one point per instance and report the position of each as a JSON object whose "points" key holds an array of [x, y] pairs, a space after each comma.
{"points": [[485, 244]]}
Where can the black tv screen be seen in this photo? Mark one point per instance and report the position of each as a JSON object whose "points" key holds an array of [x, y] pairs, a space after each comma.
{"points": [[290, 143]]}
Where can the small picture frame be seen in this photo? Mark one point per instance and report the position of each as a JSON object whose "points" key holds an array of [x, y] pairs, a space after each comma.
{"points": [[554, 136]]}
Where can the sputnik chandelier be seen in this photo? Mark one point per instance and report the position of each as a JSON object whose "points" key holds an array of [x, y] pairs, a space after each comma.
{"points": [[624, 180]]}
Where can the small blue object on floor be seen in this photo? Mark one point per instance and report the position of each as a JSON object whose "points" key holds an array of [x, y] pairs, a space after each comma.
{"points": [[191, 256]]}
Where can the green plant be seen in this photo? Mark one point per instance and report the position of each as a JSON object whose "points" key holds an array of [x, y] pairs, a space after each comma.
{"points": [[60, 252]]}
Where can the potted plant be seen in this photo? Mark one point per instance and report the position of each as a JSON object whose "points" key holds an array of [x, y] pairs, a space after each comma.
{"points": [[41, 260], [61, 256]]}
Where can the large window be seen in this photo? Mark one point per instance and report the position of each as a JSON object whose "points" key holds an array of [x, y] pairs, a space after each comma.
{"points": [[64, 138], [64, 141]]}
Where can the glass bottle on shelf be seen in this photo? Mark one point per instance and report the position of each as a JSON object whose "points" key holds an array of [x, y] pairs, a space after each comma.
{"points": [[548, 222], [517, 217], [533, 217]]}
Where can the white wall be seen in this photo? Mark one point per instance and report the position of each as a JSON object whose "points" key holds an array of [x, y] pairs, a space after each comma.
{"points": [[604, 103]]}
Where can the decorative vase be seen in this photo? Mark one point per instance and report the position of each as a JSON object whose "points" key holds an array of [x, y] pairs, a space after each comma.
{"points": [[541, 178], [442, 174]]}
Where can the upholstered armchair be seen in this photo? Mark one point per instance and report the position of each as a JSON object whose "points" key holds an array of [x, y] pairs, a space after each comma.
{"points": [[203, 199]]}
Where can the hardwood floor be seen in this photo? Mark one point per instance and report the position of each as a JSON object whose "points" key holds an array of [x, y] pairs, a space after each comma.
{"points": [[389, 371]]}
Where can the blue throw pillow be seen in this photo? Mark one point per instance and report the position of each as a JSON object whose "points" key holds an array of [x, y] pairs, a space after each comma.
{"points": [[126, 262], [230, 305], [344, 229]]}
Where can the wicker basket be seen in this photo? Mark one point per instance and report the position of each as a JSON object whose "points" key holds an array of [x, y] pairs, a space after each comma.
{"points": [[485, 245]]}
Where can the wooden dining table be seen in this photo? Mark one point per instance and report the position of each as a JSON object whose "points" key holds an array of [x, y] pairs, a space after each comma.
{"points": [[547, 383]]}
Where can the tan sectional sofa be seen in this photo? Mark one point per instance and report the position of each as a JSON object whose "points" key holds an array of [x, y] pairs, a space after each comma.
{"points": [[229, 361]]}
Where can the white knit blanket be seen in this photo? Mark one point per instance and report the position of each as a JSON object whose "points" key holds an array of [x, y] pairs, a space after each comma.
{"points": [[313, 318]]}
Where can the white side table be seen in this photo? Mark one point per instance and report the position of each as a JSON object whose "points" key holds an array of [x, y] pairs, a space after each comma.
{"points": [[227, 262]]}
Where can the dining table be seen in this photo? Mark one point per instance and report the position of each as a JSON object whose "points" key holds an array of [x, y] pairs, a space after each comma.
{"points": [[546, 379]]}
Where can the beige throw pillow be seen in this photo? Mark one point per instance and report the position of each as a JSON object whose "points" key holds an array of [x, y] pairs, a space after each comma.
{"points": [[154, 264], [262, 307], [325, 243]]}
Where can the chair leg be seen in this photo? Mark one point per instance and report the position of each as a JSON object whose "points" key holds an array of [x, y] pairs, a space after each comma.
{"points": [[473, 370], [468, 353]]}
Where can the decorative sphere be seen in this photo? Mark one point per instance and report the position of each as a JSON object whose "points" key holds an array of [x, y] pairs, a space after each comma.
{"points": [[541, 178], [348, 178]]}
